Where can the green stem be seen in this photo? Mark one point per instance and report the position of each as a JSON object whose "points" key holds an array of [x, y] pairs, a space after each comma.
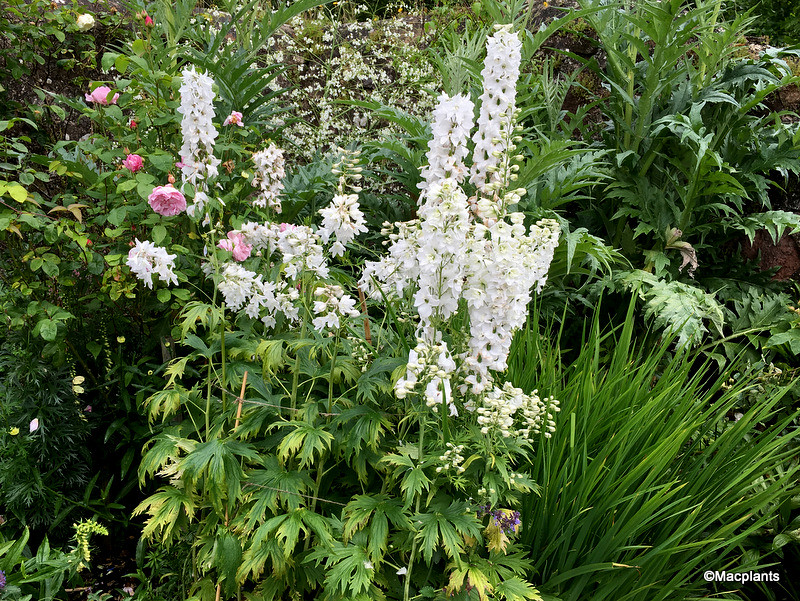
{"points": [[330, 377], [731, 337], [222, 349], [632, 54], [416, 510]]}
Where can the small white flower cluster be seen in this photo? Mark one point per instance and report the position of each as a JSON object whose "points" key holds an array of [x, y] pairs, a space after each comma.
{"points": [[361, 351], [498, 408], [302, 250], [243, 288], [452, 458], [145, 259], [495, 122], [505, 262], [332, 303], [268, 177], [452, 122], [397, 270], [300, 247], [343, 219], [431, 365], [199, 133]]}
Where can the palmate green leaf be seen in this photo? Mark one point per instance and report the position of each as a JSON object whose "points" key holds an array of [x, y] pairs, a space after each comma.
{"points": [[347, 570], [272, 355], [375, 511], [446, 525], [516, 589], [165, 402], [475, 579], [196, 312], [280, 535], [165, 449], [678, 308], [168, 508], [305, 438], [263, 548], [275, 486], [377, 378], [364, 426], [217, 462]]}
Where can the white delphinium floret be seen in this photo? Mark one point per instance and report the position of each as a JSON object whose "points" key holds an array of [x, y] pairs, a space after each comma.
{"points": [[302, 250], [146, 259], [495, 121], [268, 177], [452, 121], [452, 458]]}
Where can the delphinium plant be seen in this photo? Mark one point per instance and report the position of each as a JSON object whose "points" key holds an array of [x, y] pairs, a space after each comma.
{"points": [[320, 444]]}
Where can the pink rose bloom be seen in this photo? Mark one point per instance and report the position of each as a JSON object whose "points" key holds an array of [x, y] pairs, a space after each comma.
{"points": [[235, 118], [235, 244], [100, 96], [167, 201], [133, 162], [241, 250]]}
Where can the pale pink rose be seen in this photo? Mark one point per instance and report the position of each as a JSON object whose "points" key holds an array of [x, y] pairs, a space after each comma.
{"points": [[133, 162], [167, 201], [241, 250], [100, 96], [235, 118], [235, 244]]}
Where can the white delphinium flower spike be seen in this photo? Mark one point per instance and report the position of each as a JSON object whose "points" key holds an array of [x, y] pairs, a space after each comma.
{"points": [[452, 121], [332, 303], [495, 122], [343, 219], [506, 262], [199, 133], [269, 174], [442, 252], [396, 270]]}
